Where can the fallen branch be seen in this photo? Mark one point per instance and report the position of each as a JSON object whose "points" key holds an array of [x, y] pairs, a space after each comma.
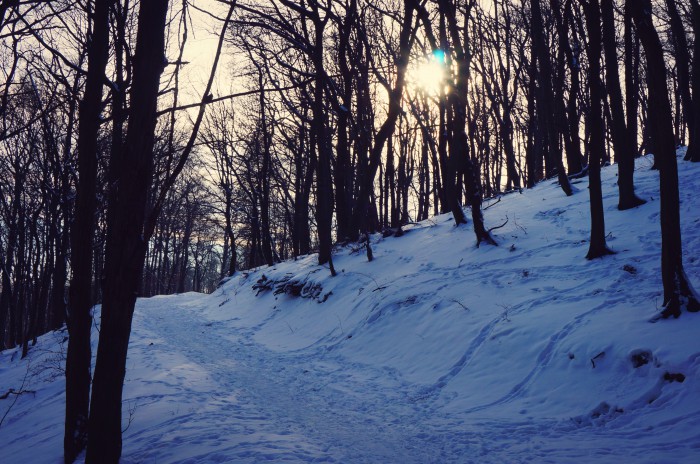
{"points": [[12, 391], [17, 394], [498, 227], [492, 204]]}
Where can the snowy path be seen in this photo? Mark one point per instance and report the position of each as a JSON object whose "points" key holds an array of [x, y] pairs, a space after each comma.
{"points": [[263, 405], [237, 401]]}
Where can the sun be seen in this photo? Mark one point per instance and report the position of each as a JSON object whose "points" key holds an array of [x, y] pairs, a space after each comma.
{"points": [[428, 73]]}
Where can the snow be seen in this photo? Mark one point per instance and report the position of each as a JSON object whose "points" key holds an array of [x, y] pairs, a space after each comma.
{"points": [[437, 351]]}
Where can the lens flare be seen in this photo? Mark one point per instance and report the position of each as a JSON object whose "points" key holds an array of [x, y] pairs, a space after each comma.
{"points": [[428, 73]]}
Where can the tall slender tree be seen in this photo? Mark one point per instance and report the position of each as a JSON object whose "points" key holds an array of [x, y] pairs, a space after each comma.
{"points": [[322, 137], [361, 213], [597, 247], [457, 126], [624, 155], [693, 153], [682, 59], [631, 67], [126, 248], [79, 318], [546, 108], [678, 291]]}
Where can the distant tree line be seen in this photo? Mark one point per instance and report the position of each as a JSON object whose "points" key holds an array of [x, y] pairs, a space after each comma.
{"points": [[347, 118]]}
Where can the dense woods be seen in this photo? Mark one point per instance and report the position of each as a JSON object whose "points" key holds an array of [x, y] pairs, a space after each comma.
{"points": [[327, 121]]}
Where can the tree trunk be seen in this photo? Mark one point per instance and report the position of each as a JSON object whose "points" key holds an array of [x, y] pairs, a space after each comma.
{"points": [[678, 292], [623, 154], [266, 239], [546, 117], [343, 168], [459, 142], [126, 248], [682, 58], [79, 354], [631, 64], [362, 214], [57, 303], [185, 260], [574, 158], [693, 153], [535, 141], [449, 164], [324, 189], [597, 247]]}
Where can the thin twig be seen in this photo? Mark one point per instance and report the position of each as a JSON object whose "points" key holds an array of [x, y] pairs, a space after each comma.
{"points": [[492, 204], [498, 227], [17, 394]]}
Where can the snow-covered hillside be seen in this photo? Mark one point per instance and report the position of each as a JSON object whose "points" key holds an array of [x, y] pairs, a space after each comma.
{"points": [[437, 351]]}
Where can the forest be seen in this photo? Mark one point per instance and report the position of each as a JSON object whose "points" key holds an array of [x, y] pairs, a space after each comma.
{"points": [[318, 123]]}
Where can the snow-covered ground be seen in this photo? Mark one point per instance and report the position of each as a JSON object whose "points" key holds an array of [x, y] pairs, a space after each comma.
{"points": [[437, 351]]}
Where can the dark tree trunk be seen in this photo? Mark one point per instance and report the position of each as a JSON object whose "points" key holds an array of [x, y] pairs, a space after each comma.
{"points": [[392, 208], [560, 114], [545, 115], [508, 97], [364, 210], [693, 153], [624, 156], [6, 292], [457, 98], [631, 80], [678, 292], [597, 246], [324, 189], [302, 223], [126, 248], [449, 164], [185, 260], [534, 156], [682, 58], [57, 301], [574, 158], [266, 239], [79, 354], [231, 238], [343, 166]]}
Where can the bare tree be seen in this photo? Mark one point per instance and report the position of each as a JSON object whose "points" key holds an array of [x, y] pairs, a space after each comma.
{"points": [[624, 155], [597, 247], [678, 292]]}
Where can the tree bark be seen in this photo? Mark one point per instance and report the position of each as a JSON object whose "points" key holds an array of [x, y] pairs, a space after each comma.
{"points": [[631, 64], [678, 292], [458, 140], [343, 165], [597, 247], [126, 247], [546, 117], [324, 188], [79, 354], [682, 58], [623, 154], [362, 213], [693, 153]]}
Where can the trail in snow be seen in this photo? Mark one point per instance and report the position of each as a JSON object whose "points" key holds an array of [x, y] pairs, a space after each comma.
{"points": [[282, 407]]}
